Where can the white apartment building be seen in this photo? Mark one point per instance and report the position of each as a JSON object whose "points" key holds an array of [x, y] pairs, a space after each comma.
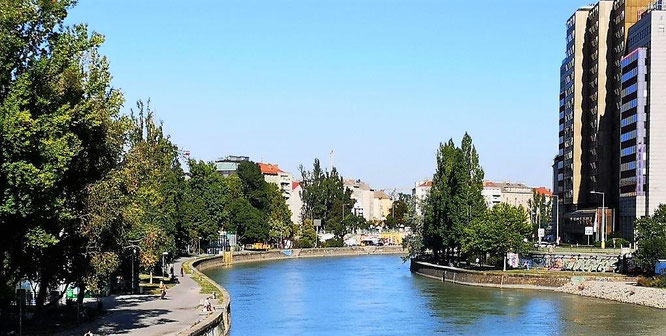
{"points": [[492, 194], [295, 202], [273, 174], [420, 191]]}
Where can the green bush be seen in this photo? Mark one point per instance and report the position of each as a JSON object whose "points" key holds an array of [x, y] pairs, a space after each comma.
{"points": [[333, 242], [304, 243], [619, 242], [657, 281], [496, 261], [650, 250]]}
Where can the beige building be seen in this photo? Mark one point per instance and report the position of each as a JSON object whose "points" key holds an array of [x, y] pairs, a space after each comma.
{"points": [[383, 203], [371, 204], [513, 193]]}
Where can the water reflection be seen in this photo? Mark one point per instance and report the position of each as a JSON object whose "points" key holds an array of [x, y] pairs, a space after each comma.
{"points": [[377, 295]]}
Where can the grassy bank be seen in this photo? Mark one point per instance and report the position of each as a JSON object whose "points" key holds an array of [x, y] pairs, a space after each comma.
{"points": [[206, 286]]}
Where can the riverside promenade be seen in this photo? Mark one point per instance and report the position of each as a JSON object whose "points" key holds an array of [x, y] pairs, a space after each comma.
{"points": [[148, 314]]}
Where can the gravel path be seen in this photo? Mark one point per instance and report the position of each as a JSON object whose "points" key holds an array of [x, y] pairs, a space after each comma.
{"points": [[618, 291]]}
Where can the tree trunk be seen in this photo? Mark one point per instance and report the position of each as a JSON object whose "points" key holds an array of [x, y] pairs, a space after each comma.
{"points": [[504, 263], [43, 289], [151, 277], [82, 294]]}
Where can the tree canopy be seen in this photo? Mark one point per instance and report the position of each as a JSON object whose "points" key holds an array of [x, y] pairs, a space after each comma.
{"points": [[651, 239], [325, 197]]}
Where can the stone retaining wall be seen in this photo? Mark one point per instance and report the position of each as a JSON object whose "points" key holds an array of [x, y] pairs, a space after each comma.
{"points": [[219, 322], [244, 257], [488, 279]]}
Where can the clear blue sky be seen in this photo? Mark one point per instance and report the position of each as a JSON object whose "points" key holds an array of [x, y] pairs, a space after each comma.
{"points": [[381, 82]]}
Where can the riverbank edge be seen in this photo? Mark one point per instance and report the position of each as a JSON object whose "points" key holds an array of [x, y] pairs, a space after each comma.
{"points": [[605, 288], [218, 323]]}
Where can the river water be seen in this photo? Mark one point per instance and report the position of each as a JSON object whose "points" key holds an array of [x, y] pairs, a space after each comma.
{"points": [[378, 295]]}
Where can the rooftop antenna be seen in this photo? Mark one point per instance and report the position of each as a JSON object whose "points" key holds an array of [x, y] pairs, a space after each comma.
{"points": [[331, 158]]}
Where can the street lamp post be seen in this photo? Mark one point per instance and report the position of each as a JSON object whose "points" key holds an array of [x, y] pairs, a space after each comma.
{"points": [[164, 254], [603, 218], [557, 220], [133, 255]]}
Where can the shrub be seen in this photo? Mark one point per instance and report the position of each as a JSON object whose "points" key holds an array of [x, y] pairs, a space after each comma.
{"points": [[620, 242], [496, 261], [650, 250], [333, 242], [657, 281], [304, 243]]}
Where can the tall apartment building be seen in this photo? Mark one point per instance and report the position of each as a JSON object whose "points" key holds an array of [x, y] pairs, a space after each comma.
{"points": [[643, 119], [589, 111]]}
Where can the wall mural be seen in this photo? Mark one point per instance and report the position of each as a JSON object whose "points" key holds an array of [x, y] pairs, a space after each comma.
{"points": [[575, 262]]}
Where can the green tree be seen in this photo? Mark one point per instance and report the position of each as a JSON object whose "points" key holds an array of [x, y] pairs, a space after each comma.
{"points": [[540, 210], [307, 236], [279, 216], [455, 199], [253, 185], [651, 239], [414, 241], [502, 229], [205, 208], [399, 209], [249, 223], [60, 132], [325, 197], [467, 183], [140, 200]]}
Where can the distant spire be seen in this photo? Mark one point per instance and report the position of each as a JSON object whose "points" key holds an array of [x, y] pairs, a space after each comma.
{"points": [[331, 161]]}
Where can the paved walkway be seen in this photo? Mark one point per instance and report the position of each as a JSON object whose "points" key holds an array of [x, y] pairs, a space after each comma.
{"points": [[148, 314]]}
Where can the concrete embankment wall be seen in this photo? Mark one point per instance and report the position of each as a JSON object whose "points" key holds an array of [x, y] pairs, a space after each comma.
{"points": [[244, 257], [219, 322], [488, 279]]}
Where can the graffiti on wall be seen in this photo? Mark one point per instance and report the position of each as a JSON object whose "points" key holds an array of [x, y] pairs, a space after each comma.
{"points": [[576, 263]]}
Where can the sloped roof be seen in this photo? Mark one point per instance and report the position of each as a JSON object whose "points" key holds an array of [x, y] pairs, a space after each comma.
{"points": [[357, 184], [269, 169], [295, 184], [381, 195], [543, 191], [427, 183]]}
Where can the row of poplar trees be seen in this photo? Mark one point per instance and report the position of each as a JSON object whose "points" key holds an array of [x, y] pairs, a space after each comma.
{"points": [[456, 223]]}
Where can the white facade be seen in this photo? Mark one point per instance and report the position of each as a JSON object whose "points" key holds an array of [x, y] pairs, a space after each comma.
{"points": [[420, 191], [295, 202], [492, 194]]}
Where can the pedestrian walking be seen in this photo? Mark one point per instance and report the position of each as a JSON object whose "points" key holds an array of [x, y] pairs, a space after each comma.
{"points": [[163, 290], [181, 271]]}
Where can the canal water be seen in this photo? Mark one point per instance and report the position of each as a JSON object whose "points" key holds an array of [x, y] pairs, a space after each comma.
{"points": [[377, 295]]}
